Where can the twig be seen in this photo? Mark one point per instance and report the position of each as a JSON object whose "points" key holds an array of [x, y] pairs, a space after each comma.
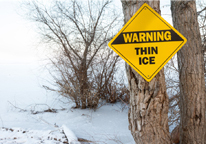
{"points": [[17, 107], [2, 122], [56, 126], [201, 11], [123, 101]]}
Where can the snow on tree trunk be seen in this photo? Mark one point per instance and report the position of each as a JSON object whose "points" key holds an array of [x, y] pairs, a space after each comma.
{"points": [[191, 69], [148, 115]]}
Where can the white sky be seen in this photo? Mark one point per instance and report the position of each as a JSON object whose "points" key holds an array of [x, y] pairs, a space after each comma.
{"points": [[18, 40]]}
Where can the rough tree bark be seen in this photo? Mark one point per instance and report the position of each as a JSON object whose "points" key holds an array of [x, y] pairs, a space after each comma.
{"points": [[148, 115], [191, 69], [84, 87]]}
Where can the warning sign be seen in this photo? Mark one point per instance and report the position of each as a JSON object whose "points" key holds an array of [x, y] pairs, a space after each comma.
{"points": [[147, 42]]}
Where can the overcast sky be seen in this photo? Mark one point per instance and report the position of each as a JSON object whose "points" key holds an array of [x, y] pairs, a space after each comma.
{"points": [[18, 40], [17, 37]]}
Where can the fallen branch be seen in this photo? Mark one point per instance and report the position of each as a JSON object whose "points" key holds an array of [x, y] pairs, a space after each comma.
{"points": [[51, 110], [70, 136]]}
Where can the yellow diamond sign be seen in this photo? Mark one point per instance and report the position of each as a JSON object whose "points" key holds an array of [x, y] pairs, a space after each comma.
{"points": [[147, 42]]}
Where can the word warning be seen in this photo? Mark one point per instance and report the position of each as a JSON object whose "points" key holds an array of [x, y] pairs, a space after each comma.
{"points": [[147, 42]]}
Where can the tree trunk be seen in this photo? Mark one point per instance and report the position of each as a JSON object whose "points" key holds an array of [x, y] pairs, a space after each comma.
{"points": [[191, 69], [84, 86], [148, 115]]}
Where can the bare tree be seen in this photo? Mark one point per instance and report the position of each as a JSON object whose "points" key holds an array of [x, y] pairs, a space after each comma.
{"points": [[148, 115], [191, 73], [80, 31], [202, 25], [172, 85]]}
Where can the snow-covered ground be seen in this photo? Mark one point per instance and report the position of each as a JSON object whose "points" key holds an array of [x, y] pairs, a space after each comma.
{"points": [[20, 90]]}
